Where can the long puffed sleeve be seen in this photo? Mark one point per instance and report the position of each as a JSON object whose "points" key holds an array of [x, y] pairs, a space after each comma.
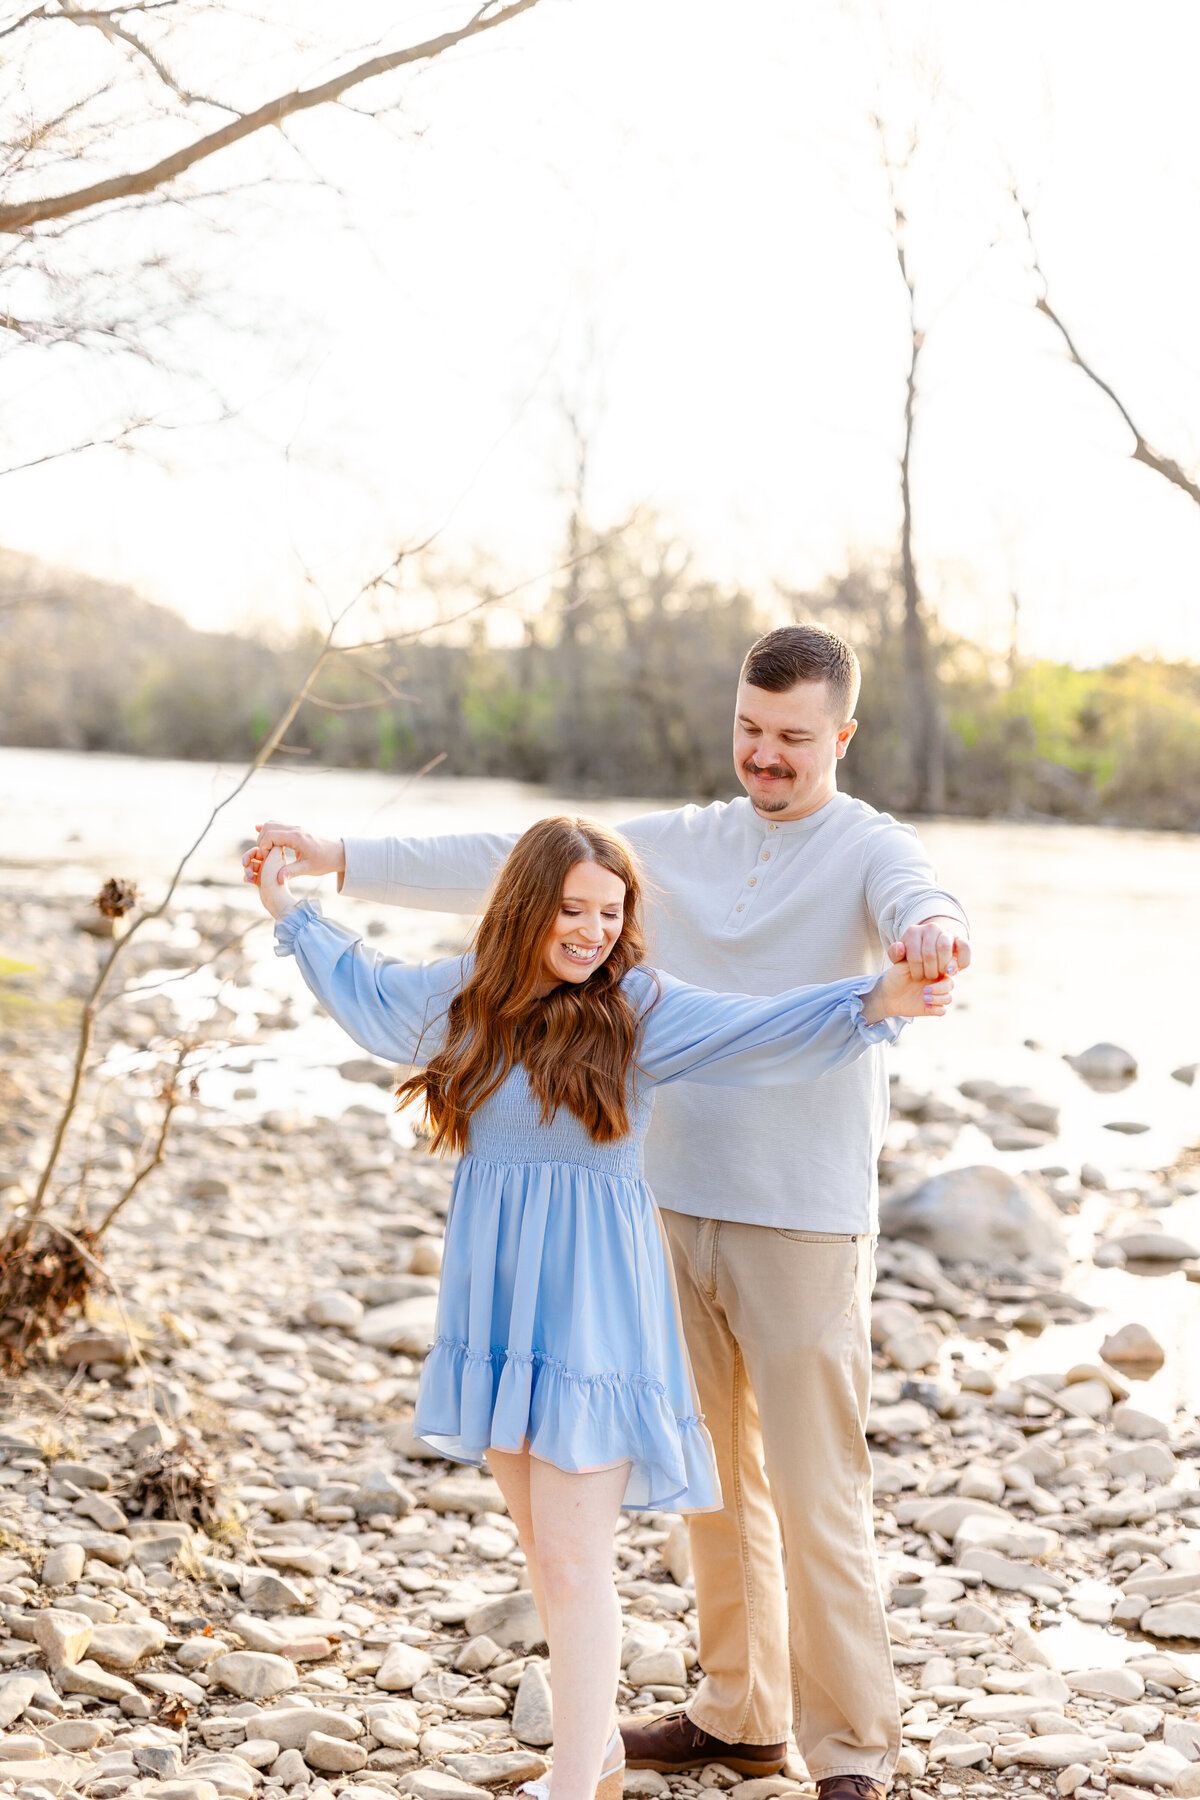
{"points": [[745, 1040], [391, 1008]]}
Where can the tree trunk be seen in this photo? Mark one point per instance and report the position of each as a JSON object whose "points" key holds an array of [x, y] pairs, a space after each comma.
{"points": [[926, 744]]}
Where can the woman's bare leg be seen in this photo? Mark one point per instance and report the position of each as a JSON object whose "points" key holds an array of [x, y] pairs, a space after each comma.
{"points": [[512, 1478], [566, 1523], [574, 1517]]}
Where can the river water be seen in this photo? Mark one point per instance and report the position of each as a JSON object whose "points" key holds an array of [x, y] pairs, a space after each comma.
{"points": [[1080, 935]]}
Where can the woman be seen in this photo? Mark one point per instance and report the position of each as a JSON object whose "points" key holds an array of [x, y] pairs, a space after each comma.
{"points": [[559, 1354]]}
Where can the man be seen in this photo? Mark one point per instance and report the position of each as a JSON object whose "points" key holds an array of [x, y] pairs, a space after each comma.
{"points": [[768, 1198]]}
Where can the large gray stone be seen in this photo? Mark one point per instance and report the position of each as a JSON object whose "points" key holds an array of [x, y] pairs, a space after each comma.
{"points": [[291, 1726], [124, 1646], [333, 1755], [532, 1717], [1104, 1066], [89, 1678], [407, 1325], [977, 1215], [505, 1767], [62, 1637], [402, 1667], [511, 1621], [253, 1674]]}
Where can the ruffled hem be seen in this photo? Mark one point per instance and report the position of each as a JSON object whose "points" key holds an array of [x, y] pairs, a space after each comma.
{"points": [[469, 1403]]}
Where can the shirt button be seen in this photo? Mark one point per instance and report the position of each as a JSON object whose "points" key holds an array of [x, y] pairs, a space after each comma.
{"points": [[766, 856], [772, 828], [741, 907], [753, 879]]}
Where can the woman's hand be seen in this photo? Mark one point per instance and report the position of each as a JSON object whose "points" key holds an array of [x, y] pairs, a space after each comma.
{"points": [[314, 855], [273, 889], [904, 993]]}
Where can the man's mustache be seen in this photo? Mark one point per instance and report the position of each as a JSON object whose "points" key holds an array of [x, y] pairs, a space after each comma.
{"points": [[777, 769]]}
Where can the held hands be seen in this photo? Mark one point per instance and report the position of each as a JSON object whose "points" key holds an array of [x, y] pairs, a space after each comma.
{"points": [[904, 993], [934, 948], [313, 855], [273, 889]]}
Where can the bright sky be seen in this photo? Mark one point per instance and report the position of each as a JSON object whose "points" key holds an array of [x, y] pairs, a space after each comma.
{"points": [[672, 213]]}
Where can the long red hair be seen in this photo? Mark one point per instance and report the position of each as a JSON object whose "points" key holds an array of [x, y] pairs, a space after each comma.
{"points": [[576, 1043]]}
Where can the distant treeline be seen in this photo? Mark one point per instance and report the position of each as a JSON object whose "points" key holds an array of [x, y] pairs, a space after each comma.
{"points": [[623, 684]]}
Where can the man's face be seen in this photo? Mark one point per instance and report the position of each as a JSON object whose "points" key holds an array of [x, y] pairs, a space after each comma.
{"points": [[786, 747]]}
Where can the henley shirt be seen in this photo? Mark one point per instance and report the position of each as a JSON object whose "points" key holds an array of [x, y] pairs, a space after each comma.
{"points": [[749, 905]]}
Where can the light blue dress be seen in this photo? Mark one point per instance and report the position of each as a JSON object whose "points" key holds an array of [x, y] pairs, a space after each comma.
{"points": [[558, 1326]]}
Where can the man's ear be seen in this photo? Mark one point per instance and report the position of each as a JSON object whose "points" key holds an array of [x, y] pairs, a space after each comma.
{"points": [[846, 732]]}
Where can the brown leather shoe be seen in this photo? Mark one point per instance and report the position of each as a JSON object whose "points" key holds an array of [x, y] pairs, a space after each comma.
{"points": [[671, 1743], [851, 1787]]}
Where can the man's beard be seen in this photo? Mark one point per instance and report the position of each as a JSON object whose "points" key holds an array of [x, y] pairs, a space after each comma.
{"points": [[770, 806]]}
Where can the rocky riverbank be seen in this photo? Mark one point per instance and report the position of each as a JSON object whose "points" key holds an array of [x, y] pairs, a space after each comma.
{"points": [[227, 1570]]}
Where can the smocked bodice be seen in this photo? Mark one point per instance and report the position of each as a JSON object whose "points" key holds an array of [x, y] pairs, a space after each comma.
{"points": [[508, 1128]]}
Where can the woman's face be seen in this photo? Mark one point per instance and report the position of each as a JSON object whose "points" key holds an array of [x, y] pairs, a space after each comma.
{"points": [[590, 918]]}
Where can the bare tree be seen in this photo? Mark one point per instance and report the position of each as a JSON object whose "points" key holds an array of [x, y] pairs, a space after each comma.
{"points": [[924, 736], [130, 134], [1143, 451]]}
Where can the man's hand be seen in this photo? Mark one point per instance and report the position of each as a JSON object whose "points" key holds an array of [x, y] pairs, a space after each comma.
{"points": [[934, 948], [314, 855]]}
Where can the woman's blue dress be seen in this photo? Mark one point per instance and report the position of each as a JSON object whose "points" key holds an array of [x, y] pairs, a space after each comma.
{"points": [[558, 1328]]}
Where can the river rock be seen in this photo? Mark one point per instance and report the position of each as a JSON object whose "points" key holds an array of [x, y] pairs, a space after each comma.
{"points": [[382, 1493], [396, 1726], [124, 1646], [89, 1678], [62, 1637], [260, 1753], [532, 1717], [63, 1566], [511, 1621], [16, 1693], [1155, 1246], [1155, 1766], [659, 1668], [1178, 1619], [1013, 1577], [977, 1215], [1104, 1064], [253, 1674], [333, 1755], [509, 1766], [437, 1784], [1107, 1684], [1010, 1536], [1134, 1346], [290, 1726], [334, 1306], [1130, 1422], [188, 1788], [402, 1667], [409, 1326], [1053, 1752], [1182, 1735]]}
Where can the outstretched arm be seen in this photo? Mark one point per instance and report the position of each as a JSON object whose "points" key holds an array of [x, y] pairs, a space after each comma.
{"points": [[437, 874], [391, 1008], [744, 1040]]}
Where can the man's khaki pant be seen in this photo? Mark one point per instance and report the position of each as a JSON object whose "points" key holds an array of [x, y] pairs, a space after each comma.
{"points": [[777, 1323]]}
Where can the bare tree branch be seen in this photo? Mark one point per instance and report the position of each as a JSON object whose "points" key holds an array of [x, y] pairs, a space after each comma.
{"points": [[143, 181], [1144, 451], [106, 23]]}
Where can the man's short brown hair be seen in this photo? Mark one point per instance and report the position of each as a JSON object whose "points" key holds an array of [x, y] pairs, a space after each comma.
{"points": [[796, 653]]}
